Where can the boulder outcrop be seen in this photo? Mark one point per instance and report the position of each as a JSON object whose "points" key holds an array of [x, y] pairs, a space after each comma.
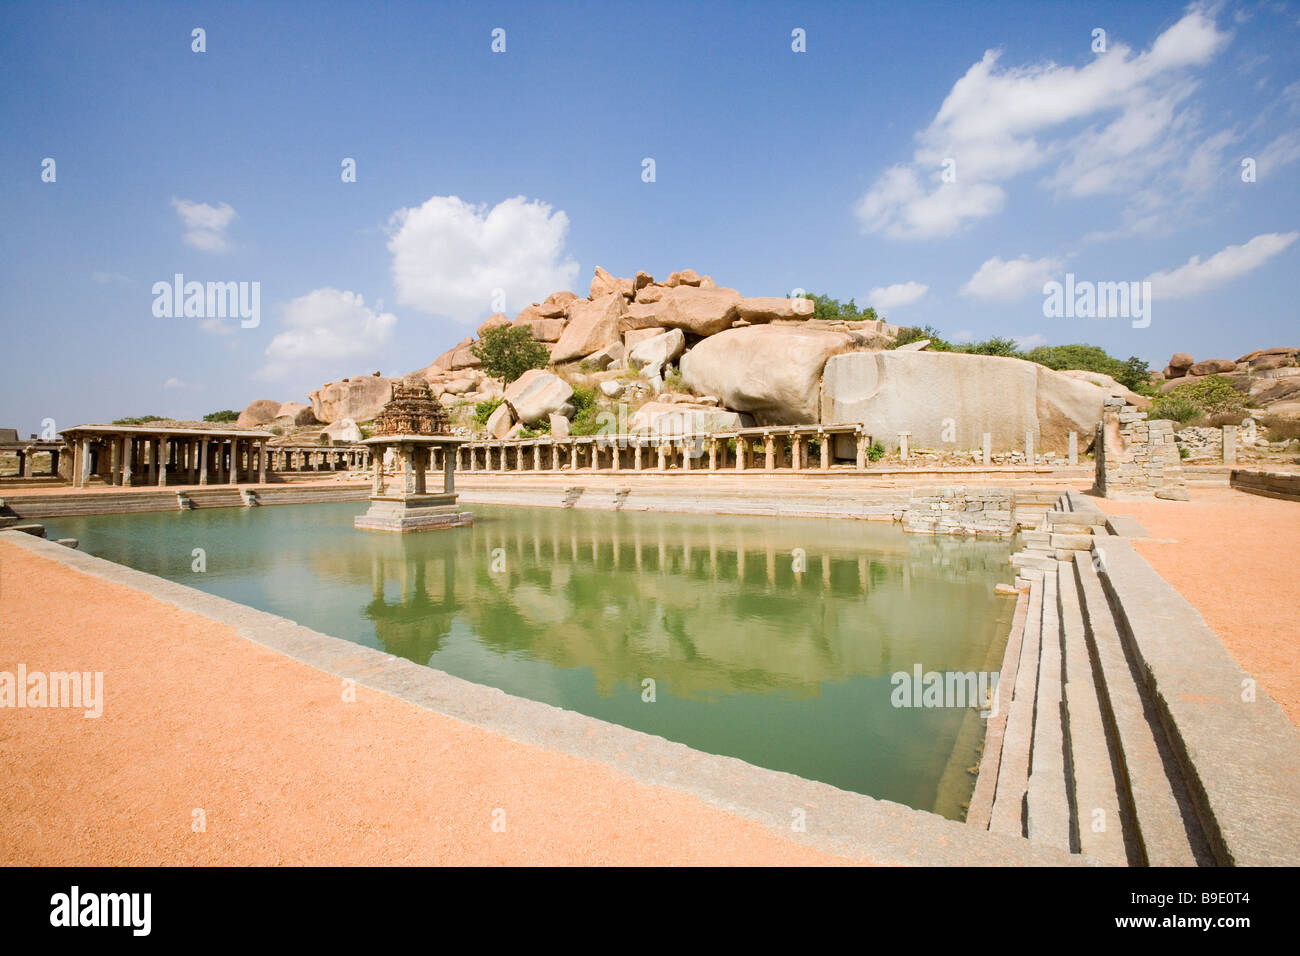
{"points": [[259, 412], [592, 325], [537, 394], [770, 371], [359, 398]]}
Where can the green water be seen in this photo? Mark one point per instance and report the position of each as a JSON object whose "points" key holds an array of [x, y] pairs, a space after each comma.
{"points": [[785, 670]]}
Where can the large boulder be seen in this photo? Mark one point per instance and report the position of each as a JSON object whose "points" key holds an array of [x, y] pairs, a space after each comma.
{"points": [[500, 421], [1212, 367], [700, 312], [1112, 388], [444, 361], [495, 320], [949, 400], [660, 349], [343, 430], [260, 412], [602, 284], [536, 394], [1181, 360], [359, 399], [545, 330], [592, 326], [770, 309], [770, 371], [680, 418]]}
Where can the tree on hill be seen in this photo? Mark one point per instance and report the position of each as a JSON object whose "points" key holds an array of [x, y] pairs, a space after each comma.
{"points": [[1132, 372], [824, 307], [225, 415], [508, 351]]}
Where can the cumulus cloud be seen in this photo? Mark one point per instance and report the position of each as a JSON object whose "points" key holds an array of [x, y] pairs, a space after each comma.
{"points": [[1005, 281], [205, 225], [896, 295], [1229, 263], [1281, 152], [325, 326], [451, 257], [1027, 342], [999, 122]]}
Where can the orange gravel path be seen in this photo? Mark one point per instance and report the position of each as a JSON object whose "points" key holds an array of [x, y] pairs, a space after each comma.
{"points": [[285, 771], [1234, 557]]}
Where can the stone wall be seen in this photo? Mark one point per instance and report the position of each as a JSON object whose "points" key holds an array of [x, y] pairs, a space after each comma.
{"points": [[1272, 484], [1136, 458], [961, 511]]}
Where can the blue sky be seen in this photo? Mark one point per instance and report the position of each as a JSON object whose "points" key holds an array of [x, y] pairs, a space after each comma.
{"points": [[774, 170]]}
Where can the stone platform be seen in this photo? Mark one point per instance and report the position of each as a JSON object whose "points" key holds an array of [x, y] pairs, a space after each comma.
{"points": [[413, 512]]}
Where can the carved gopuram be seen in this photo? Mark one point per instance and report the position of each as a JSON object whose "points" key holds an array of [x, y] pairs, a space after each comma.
{"points": [[414, 427]]}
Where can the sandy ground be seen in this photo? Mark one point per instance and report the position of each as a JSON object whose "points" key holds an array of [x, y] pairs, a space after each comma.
{"points": [[1233, 556], [282, 768]]}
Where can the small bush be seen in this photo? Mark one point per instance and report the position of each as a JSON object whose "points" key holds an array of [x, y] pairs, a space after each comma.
{"points": [[876, 451], [483, 410], [1183, 452], [674, 382], [226, 415], [585, 411], [1277, 428], [1174, 408]]}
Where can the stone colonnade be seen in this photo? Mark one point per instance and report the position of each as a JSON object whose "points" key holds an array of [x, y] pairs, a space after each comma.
{"points": [[155, 460]]}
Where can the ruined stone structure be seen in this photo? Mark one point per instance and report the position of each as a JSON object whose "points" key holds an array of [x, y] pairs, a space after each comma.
{"points": [[158, 454], [1136, 458], [414, 426]]}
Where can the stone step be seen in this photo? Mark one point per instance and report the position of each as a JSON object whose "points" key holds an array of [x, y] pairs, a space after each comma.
{"points": [[1165, 835], [1097, 817], [1047, 817], [1008, 814]]}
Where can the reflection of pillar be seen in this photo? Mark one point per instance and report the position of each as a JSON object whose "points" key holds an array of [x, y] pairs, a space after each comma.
{"points": [[128, 458]]}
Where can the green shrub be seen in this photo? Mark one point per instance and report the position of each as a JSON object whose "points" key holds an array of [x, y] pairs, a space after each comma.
{"points": [[543, 427], [226, 415], [1183, 452], [507, 351], [1132, 373], [876, 451], [1213, 395], [147, 418], [674, 382], [483, 410], [1175, 408], [585, 412], [824, 307], [910, 333]]}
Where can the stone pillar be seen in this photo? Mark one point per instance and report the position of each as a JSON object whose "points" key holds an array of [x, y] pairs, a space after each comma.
{"points": [[128, 459], [1229, 444], [769, 448], [826, 450], [902, 445], [54, 462], [22, 463], [152, 445], [860, 462], [1073, 448], [234, 461], [406, 453], [115, 460], [988, 448], [537, 457], [164, 449], [636, 457], [616, 455], [421, 455], [742, 452], [85, 462], [1029, 448], [663, 457], [449, 473], [688, 446], [261, 463], [203, 461], [713, 454]]}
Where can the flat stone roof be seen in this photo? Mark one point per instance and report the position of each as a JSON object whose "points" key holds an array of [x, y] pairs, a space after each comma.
{"points": [[162, 428]]}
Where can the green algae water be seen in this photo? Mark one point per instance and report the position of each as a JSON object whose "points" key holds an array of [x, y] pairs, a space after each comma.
{"points": [[770, 640]]}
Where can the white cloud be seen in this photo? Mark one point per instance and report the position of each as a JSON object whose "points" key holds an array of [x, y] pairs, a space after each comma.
{"points": [[999, 281], [205, 226], [896, 296], [180, 383], [1281, 152], [325, 326], [1027, 342], [1229, 263], [999, 122], [450, 256]]}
